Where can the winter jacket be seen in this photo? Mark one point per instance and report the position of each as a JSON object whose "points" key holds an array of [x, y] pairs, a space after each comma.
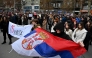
{"points": [[79, 35]]}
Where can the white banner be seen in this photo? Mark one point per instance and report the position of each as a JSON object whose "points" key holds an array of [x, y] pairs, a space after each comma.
{"points": [[30, 15], [19, 31]]}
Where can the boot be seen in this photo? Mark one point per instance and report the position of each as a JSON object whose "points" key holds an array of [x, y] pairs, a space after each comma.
{"points": [[10, 43], [3, 42]]}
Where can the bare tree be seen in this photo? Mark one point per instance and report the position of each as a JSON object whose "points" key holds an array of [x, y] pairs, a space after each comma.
{"points": [[45, 4]]}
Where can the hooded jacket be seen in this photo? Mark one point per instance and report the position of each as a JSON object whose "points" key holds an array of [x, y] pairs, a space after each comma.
{"points": [[60, 26]]}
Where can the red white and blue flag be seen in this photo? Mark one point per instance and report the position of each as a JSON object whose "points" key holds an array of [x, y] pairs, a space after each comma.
{"points": [[43, 44]]}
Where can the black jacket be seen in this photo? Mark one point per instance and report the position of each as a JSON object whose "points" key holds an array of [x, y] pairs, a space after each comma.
{"points": [[62, 35], [4, 25], [60, 26]]}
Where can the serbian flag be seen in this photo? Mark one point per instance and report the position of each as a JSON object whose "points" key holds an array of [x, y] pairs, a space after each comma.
{"points": [[43, 44]]}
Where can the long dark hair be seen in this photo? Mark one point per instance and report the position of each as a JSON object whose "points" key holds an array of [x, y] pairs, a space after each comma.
{"points": [[89, 22], [68, 26], [82, 25], [88, 26], [4, 18]]}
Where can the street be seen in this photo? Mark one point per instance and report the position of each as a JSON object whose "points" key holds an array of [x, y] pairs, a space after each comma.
{"points": [[6, 48]]}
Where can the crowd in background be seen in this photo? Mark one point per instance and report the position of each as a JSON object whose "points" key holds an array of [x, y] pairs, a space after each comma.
{"points": [[74, 26]]}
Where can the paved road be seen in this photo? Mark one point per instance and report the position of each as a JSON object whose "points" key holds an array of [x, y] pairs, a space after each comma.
{"points": [[4, 50]]}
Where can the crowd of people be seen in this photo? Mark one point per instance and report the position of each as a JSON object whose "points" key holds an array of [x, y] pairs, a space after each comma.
{"points": [[78, 28], [74, 28]]}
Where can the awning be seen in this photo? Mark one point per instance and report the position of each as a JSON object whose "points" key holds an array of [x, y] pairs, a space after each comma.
{"points": [[83, 10]]}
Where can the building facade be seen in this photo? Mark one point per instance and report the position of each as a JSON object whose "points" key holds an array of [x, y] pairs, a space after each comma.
{"points": [[75, 6], [1, 4], [50, 5], [68, 5], [45, 5], [57, 5], [31, 5], [83, 6], [87, 7]]}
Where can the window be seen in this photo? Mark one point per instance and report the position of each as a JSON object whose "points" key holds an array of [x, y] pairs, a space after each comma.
{"points": [[36, 7], [59, 5], [56, 5], [27, 7], [53, 4]]}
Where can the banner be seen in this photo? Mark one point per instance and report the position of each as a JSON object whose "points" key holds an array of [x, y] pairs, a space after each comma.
{"points": [[18, 31], [30, 15], [43, 44]]}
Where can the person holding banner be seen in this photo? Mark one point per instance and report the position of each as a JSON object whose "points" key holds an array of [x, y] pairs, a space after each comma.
{"points": [[35, 23], [4, 28]]}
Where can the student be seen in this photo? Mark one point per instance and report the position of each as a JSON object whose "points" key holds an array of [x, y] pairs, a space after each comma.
{"points": [[35, 24], [59, 31], [5, 23], [54, 24], [88, 38], [67, 30], [79, 35]]}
